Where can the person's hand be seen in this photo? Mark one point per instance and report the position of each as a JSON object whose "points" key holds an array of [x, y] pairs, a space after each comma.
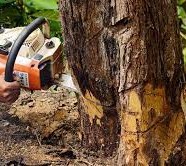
{"points": [[9, 91]]}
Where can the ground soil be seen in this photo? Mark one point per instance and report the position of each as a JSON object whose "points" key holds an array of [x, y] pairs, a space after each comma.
{"points": [[42, 128]]}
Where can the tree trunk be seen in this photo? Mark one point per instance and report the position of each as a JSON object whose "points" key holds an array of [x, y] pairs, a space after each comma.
{"points": [[126, 58]]}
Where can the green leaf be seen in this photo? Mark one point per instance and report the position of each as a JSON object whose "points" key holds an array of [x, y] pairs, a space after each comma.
{"points": [[181, 12], [183, 26], [6, 1], [41, 4], [184, 55], [180, 2], [49, 14]]}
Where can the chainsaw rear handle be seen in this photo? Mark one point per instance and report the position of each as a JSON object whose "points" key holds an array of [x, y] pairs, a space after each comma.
{"points": [[19, 42]]}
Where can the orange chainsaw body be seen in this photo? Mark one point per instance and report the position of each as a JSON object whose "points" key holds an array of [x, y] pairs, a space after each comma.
{"points": [[35, 58], [25, 66], [38, 71]]}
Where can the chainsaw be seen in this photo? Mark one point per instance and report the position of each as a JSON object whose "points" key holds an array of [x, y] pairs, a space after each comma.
{"points": [[30, 54]]}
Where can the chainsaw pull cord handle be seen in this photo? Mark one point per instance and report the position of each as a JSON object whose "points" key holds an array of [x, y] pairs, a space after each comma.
{"points": [[19, 42]]}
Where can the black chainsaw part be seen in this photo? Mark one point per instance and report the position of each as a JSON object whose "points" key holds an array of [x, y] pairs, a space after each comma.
{"points": [[1, 29], [7, 45], [4, 48], [3, 51], [50, 45], [45, 73], [17, 45]]}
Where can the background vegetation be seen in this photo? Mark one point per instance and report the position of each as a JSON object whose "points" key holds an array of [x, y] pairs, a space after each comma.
{"points": [[182, 20], [15, 13]]}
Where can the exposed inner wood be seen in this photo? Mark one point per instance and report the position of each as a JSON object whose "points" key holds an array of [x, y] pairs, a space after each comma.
{"points": [[126, 57]]}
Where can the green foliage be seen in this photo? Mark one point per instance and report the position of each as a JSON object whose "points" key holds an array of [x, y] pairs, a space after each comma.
{"points": [[4, 2], [40, 4], [182, 19], [21, 12], [10, 14], [182, 13]]}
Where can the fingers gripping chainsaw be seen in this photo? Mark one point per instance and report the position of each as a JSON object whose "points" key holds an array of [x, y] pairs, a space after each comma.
{"points": [[30, 54]]}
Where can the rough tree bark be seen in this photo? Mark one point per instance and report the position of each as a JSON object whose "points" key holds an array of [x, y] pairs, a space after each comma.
{"points": [[126, 58]]}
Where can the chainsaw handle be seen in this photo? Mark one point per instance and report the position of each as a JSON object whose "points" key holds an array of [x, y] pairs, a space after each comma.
{"points": [[17, 45]]}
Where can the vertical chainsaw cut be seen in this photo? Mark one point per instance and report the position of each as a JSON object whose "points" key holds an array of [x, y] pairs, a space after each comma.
{"points": [[30, 54]]}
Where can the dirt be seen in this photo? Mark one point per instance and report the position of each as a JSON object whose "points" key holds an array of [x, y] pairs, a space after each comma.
{"points": [[42, 128]]}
